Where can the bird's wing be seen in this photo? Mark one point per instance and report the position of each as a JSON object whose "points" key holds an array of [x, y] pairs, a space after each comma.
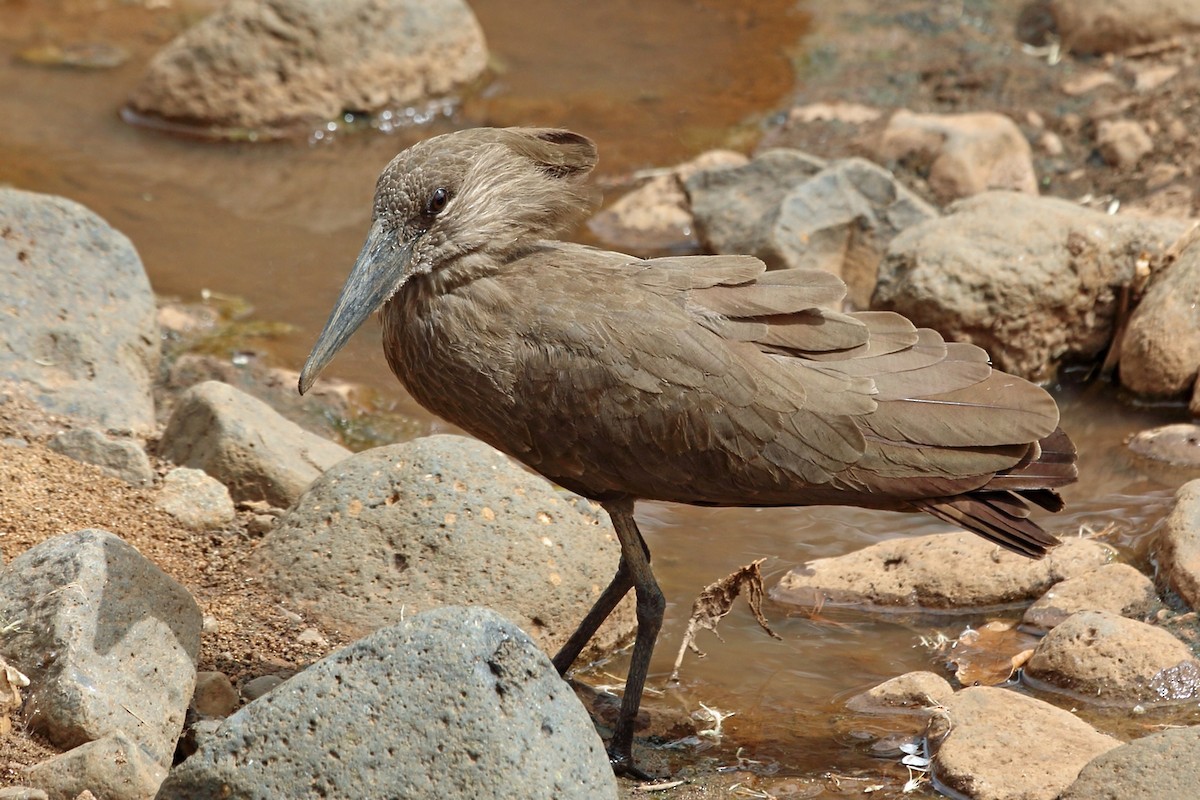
{"points": [[954, 437], [942, 417], [634, 395]]}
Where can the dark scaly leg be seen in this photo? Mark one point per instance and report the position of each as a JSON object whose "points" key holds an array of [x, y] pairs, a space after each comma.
{"points": [[621, 583], [650, 609]]}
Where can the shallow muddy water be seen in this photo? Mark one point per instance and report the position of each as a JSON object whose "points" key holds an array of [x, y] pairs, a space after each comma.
{"points": [[653, 83]]}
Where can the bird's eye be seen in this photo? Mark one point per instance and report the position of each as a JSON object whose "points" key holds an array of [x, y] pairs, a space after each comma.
{"points": [[437, 201]]}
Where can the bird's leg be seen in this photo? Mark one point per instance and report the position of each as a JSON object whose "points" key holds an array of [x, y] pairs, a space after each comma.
{"points": [[650, 609], [621, 583]]}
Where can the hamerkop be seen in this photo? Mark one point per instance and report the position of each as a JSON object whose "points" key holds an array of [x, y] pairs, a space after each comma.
{"points": [[697, 379]]}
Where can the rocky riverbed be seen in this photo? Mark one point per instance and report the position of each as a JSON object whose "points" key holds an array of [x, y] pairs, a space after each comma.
{"points": [[207, 592]]}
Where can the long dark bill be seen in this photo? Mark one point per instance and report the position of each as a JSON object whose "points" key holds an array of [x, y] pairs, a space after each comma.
{"points": [[381, 269]]}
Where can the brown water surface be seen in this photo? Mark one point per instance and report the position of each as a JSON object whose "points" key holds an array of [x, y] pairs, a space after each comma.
{"points": [[653, 83]]}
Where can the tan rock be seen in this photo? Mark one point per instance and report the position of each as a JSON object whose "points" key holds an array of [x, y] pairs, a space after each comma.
{"points": [[1160, 353], [1123, 143], [911, 691], [1001, 745], [1178, 546], [657, 215], [1118, 588], [950, 570], [1110, 660], [966, 153], [1105, 26]]}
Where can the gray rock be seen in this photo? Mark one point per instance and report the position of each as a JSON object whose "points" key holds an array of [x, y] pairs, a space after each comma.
{"points": [[1000, 745], [842, 219], [1109, 660], [1160, 352], [194, 498], [124, 635], [214, 695], [939, 571], [966, 153], [257, 687], [120, 457], [912, 691], [1165, 764], [113, 767], [1178, 545], [452, 703], [1116, 588], [444, 520], [656, 215], [245, 444], [735, 209], [1105, 26], [793, 210], [286, 66], [79, 331], [22, 793], [1032, 280]]}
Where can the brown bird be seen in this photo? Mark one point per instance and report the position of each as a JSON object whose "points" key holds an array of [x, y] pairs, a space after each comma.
{"points": [[697, 379]]}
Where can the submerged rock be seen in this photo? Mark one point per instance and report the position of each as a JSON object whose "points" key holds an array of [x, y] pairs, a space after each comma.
{"points": [[944, 571], [445, 520], [913, 691], [455, 704], [285, 66], [1110, 660]]}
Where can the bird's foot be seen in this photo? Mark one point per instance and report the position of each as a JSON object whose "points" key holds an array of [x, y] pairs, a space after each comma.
{"points": [[623, 766]]}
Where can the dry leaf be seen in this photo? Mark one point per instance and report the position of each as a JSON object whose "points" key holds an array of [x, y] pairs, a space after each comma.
{"points": [[990, 655], [715, 602], [11, 682]]}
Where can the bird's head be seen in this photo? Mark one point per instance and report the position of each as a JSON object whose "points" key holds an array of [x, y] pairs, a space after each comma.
{"points": [[473, 191]]}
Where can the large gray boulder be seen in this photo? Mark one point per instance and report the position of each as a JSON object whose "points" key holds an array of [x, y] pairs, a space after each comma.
{"points": [[124, 637], [284, 66], [444, 520], [453, 704], [79, 332], [1033, 280]]}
